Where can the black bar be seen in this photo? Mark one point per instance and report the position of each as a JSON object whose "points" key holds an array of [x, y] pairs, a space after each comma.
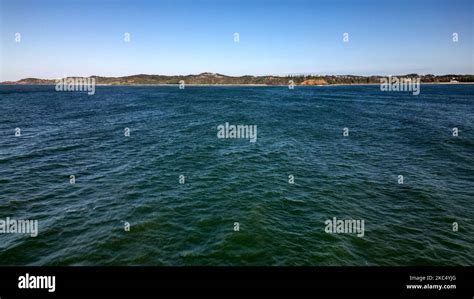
{"points": [[344, 282]]}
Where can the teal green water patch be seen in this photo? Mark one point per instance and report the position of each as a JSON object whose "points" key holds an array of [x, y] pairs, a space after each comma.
{"points": [[182, 191]]}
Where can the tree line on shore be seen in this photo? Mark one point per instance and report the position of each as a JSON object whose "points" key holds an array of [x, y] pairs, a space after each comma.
{"points": [[219, 79]]}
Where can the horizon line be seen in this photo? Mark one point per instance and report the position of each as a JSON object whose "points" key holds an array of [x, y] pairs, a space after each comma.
{"points": [[247, 75]]}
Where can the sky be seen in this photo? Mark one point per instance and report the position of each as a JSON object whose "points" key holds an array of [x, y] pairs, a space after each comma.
{"points": [[82, 38]]}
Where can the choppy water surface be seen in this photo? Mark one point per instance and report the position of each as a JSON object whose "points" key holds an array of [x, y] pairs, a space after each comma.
{"points": [[173, 132]]}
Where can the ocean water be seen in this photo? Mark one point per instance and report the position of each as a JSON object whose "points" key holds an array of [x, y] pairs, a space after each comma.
{"points": [[173, 132]]}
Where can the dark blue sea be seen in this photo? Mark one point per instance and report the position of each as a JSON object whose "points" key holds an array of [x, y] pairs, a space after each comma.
{"points": [[136, 179]]}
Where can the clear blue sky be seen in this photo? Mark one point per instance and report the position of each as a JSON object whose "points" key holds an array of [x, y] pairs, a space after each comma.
{"points": [[73, 37]]}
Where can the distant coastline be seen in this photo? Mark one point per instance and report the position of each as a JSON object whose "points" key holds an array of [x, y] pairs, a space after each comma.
{"points": [[215, 79], [238, 85]]}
